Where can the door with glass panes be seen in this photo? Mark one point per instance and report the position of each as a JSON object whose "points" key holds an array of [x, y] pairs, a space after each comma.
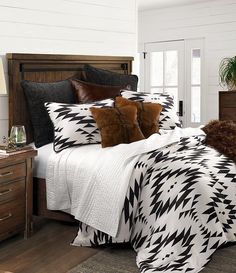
{"points": [[175, 68]]}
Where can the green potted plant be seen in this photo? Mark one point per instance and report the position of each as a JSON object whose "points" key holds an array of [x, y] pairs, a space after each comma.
{"points": [[227, 73]]}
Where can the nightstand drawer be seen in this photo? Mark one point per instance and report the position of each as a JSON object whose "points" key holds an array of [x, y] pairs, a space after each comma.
{"points": [[12, 216], [12, 172], [12, 191]]}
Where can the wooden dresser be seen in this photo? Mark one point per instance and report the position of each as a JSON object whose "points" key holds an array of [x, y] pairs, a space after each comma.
{"points": [[16, 193], [227, 105]]}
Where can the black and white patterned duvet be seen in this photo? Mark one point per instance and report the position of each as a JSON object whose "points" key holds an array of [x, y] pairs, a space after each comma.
{"points": [[180, 207]]}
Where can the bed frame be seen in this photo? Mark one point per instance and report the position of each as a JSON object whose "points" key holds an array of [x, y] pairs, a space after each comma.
{"points": [[49, 68]]}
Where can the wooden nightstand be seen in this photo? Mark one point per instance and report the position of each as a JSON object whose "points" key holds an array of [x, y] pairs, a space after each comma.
{"points": [[16, 198]]}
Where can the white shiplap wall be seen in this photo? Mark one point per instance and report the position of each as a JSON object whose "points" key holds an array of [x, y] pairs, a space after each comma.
{"points": [[214, 20], [85, 27]]}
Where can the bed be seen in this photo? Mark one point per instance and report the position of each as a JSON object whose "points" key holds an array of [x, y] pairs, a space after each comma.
{"points": [[49, 68], [170, 195]]}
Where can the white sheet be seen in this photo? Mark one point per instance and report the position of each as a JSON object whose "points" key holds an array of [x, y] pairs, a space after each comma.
{"points": [[41, 160], [101, 177], [44, 152]]}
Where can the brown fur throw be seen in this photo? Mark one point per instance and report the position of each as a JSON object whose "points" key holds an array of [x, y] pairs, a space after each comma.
{"points": [[221, 135]]}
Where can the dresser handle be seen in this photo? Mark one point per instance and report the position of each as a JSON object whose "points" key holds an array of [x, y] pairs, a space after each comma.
{"points": [[6, 217], [5, 174], [5, 192]]}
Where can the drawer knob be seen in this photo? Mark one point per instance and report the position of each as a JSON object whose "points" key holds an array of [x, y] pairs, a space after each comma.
{"points": [[6, 217], [5, 174], [5, 192]]}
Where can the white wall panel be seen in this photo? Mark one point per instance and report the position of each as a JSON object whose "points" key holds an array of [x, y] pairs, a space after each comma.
{"points": [[85, 27], [115, 10], [215, 21], [71, 34], [4, 129], [67, 21], [3, 107]]}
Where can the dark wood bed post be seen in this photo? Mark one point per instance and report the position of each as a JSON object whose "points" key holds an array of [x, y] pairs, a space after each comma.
{"points": [[49, 68]]}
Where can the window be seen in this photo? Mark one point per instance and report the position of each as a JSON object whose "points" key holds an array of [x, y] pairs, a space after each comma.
{"points": [[164, 73], [176, 67], [196, 85]]}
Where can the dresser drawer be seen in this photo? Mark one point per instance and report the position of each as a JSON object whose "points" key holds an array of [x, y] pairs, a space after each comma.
{"points": [[228, 113], [12, 190], [12, 172], [228, 99], [12, 216]]}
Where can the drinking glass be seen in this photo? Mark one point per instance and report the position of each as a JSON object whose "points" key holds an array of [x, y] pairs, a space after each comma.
{"points": [[18, 135]]}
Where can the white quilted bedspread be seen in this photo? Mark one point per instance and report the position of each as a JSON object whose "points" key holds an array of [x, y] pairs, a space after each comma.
{"points": [[91, 182]]}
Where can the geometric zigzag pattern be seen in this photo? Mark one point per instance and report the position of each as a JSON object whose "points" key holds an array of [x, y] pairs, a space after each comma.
{"points": [[168, 117], [179, 208], [74, 123]]}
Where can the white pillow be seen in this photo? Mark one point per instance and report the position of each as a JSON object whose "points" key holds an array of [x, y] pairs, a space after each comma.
{"points": [[74, 124], [168, 117]]}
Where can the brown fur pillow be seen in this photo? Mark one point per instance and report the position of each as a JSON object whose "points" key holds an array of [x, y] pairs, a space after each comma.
{"points": [[221, 135], [117, 125], [148, 114]]}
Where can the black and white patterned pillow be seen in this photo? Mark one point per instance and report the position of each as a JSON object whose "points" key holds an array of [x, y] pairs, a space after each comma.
{"points": [[74, 124], [168, 117]]}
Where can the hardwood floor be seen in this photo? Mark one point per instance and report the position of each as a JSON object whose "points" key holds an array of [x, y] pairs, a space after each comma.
{"points": [[47, 251]]}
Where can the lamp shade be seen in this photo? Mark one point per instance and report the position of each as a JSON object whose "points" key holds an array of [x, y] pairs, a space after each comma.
{"points": [[3, 88]]}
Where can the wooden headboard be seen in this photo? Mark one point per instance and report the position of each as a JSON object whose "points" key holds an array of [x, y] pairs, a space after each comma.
{"points": [[50, 68]]}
